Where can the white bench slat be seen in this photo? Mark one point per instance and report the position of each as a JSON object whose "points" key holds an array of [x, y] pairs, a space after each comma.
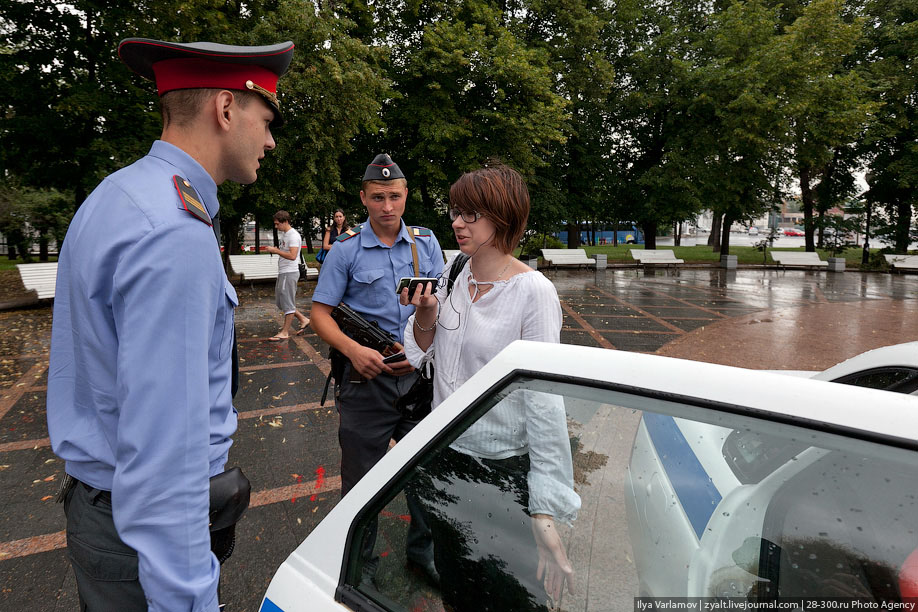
{"points": [[902, 262], [794, 258], [653, 256], [567, 257], [260, 267], [40, 277]]}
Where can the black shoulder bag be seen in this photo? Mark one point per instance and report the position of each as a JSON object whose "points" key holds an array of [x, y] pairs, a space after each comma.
{"points": [[417, 402]]}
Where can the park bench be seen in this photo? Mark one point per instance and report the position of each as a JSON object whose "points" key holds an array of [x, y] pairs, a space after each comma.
{"points": [[655, 257], [261, 267], [567, 257], [798, 259], [902, 262], [39, 277]]}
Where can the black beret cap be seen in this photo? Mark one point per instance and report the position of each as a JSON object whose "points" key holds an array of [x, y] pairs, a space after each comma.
{"points": [[210, 65], [382, 168]]}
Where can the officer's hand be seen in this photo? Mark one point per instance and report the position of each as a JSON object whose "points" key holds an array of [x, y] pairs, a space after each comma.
{"points": [[368, 362]]}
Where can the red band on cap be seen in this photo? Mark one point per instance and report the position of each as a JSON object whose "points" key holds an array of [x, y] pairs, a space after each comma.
{"points": [[192, 73]]}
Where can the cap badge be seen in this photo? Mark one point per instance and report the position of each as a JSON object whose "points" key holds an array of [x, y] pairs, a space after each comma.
{"points": [[385, 172], [268, 94]]}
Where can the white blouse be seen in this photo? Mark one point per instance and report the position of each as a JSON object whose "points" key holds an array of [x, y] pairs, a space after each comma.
{"points": [[468, 336]]}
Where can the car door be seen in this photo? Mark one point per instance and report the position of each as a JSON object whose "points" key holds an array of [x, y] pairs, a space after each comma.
{"points": [[742, 469]]}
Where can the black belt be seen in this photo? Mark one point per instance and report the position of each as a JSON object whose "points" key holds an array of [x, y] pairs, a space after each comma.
{"points": [[103, 495]]}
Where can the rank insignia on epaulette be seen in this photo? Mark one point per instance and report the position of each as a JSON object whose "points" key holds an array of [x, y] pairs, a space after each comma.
{"points": [[349, 233], [423, 232], [190, 199]]}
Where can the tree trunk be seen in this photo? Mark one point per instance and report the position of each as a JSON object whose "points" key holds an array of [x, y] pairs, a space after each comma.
{"points": [[43, 246], [650, 234], [257, 238], [677, 234], [615, 233], [714, 238], [573, 235], [808, 199], [903, 225], [725, 235]]}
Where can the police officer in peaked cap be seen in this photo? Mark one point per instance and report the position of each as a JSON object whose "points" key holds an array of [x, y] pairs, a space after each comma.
{"points": [[139, 386], [362, 270]]}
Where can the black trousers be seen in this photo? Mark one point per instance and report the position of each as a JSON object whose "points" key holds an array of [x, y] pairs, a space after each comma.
{"points": [[368, 420], [484, 548], [105, 567]]}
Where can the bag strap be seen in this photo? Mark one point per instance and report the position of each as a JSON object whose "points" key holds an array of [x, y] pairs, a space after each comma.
{"points": [[414, 254], [455, 269]]}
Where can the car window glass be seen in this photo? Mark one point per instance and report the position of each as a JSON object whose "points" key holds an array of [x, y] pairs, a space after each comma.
{"points": [[655, 506], [900, 380]]}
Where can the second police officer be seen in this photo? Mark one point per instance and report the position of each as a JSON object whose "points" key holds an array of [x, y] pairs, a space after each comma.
{"points": [[362, 270]]}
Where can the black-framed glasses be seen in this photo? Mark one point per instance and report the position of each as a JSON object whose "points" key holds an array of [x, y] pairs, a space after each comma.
{"points": [[468, 217]]}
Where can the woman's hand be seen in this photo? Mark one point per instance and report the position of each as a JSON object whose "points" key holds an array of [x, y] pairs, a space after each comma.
{"points": [[554, 567], [423, 297]]}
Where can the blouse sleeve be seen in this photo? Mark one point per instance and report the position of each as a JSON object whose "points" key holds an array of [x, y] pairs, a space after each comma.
{"points": [[551, 472]]}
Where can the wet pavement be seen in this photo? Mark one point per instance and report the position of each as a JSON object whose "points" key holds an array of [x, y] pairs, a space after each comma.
{"points": [[287, 444]]}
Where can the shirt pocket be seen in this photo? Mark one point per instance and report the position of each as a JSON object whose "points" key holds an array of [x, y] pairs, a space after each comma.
{"points": [[229, 318], [371, 284]]}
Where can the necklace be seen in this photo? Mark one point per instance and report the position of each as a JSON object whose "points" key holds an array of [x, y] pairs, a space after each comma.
{"points": [[499, 276]]}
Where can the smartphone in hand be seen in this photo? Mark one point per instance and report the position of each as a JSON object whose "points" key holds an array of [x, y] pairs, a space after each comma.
{"points": [[412, 282], [395, 358]]}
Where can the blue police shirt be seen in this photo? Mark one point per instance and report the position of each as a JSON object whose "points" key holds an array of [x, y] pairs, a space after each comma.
{"points": [[363, 272], [139, 381]]}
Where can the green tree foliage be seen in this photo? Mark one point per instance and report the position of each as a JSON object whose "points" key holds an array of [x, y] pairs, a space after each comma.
{"points": [[891, 144], [825, 100], [626, 111]]}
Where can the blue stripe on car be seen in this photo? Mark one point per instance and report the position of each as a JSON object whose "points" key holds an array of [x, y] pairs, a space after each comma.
{"points": [[269, 606], [694, 488]]}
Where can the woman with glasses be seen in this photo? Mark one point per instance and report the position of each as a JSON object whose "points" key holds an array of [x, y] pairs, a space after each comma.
{"points": [[522, 442]]}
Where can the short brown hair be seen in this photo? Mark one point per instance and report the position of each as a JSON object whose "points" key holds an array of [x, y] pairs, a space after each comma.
{"points": [[282, 216], [499, 193], [402, 181], [179, 107]]}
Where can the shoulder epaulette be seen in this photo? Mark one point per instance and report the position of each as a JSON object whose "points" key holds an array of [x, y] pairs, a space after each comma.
{"points": [[421, 232], [349, 233], [190, 200]]}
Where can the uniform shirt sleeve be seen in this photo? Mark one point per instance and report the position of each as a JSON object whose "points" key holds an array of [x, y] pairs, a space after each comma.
{"points": [[166, 293], [332, 283]]}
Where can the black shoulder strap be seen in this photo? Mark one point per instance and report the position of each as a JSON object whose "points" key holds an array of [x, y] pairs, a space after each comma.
{"points": [[455, 269]]}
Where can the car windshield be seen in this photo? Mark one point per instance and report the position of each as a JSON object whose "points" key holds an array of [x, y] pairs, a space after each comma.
{"points": [[649, 496]]}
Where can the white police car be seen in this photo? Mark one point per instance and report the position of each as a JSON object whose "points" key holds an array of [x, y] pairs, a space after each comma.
{"points": [[690, 485]]}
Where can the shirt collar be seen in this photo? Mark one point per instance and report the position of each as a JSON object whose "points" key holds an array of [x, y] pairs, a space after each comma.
{"points": [[368, 237], [188, 168]]}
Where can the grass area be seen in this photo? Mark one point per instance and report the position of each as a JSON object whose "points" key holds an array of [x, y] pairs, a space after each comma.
{"points": [[745, 255]]}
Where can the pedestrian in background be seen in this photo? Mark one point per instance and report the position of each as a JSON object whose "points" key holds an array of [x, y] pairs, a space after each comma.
{"points": [[331, 234], [140, 378], [288, 273]]}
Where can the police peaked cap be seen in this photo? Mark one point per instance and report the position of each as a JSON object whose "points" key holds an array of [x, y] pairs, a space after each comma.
{"points": [[382, 168], [210, 65]]}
